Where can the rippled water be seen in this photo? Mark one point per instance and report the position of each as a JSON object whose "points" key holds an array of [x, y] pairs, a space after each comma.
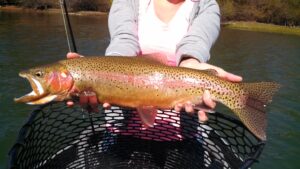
{"points": [[28, 39]]}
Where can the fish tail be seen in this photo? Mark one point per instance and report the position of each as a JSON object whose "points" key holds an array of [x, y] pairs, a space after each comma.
{"points": [[253, 113]]}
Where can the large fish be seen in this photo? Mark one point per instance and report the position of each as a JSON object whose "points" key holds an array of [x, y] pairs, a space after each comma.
{"points": [[147, 85]]}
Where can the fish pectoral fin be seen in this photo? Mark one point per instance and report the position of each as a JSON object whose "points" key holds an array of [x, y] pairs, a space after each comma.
{"points": [[43, 100], [147, 115]]}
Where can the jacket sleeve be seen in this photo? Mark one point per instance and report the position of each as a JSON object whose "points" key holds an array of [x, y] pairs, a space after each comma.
{"points": [[203, 32], [122, 24]]}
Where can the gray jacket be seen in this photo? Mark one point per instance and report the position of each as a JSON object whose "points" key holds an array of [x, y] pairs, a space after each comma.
{"points": [[204, 30]]}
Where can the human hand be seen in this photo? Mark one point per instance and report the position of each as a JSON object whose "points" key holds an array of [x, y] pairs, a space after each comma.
{"points": [[72, 55], [195, 64], [206, 99], [87, 99]]}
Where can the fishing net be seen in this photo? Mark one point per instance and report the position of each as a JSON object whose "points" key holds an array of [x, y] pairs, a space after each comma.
{"points": [[57, 137]]}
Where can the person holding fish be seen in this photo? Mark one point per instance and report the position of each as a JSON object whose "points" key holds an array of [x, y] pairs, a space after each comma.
{"points": [[175, 32]]}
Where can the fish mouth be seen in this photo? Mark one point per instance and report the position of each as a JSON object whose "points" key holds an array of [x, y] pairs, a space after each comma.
{"points": [[37, 95]]}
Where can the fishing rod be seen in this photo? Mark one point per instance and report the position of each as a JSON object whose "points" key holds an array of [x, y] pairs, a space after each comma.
{"points": [[70, 36], [67, 25]]}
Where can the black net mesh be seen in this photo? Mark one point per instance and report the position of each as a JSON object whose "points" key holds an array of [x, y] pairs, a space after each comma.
{"points": [[60, 137]]}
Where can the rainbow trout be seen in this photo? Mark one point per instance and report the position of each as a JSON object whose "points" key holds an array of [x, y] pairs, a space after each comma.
{"points": [[147, 86]]}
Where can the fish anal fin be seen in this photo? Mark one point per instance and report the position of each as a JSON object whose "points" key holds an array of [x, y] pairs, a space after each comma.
{"points": [[43, 100], [147, 115]]}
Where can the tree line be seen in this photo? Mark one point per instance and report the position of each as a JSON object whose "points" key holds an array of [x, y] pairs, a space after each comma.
{"points": [[73, 5], [280, 12]]}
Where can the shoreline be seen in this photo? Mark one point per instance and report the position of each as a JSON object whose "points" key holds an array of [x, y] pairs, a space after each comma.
{"points": [[240, 25], [12, 8], [261, 27]]}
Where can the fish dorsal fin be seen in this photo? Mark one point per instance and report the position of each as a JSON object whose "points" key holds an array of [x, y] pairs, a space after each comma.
{"points": [[210, 72], [147, 115], [156, 57]]}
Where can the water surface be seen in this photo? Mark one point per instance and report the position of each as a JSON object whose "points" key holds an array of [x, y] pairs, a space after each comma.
{"points": [[28, 39]]}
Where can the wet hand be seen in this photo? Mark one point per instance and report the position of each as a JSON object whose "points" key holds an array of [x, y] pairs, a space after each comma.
{"points": [[206, 101], [205, 104], [195, 64], [89, 101]]}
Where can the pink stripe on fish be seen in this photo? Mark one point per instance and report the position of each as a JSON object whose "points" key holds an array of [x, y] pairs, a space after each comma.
{"points": [[153, 80]]}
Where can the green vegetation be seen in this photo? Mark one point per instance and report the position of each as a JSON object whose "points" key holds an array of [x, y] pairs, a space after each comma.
{"points": [[262, 27], [74, 5], [279, 12]]}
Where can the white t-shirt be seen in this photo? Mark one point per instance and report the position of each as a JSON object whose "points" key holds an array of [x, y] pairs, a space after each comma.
{"points": [[156, 36]]}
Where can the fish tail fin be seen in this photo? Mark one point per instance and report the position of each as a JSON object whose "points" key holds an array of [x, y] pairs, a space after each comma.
{"points": [[253, 113]]}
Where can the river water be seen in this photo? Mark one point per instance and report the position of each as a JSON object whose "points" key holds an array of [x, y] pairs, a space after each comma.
{"points": [[28, 39]]}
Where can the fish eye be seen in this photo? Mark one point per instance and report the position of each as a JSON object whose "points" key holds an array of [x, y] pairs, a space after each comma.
{"points": [[39, 74]]}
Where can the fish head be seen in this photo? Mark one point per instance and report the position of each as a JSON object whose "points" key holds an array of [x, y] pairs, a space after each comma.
{"points": [[48, 83]]}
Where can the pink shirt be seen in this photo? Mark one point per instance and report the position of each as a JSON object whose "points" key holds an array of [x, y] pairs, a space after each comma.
{"points": [[166, 127]]}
